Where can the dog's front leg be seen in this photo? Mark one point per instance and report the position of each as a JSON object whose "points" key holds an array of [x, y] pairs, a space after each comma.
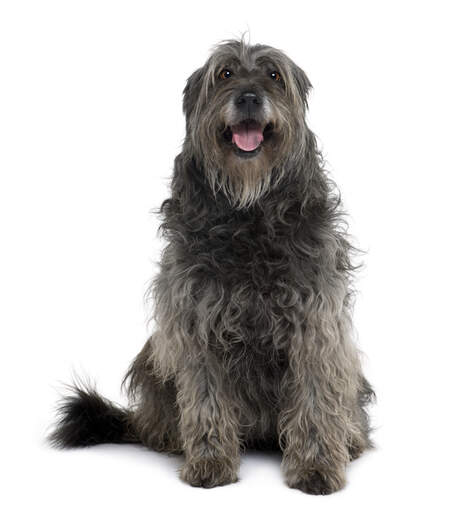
{"points": [[208, 426], [316, 420]]}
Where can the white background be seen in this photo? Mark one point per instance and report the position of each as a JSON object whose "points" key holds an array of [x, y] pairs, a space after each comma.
{"points": [[90, 121]]}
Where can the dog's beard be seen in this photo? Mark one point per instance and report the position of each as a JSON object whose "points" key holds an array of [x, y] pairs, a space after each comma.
{"points": [[242, 179], [242, 182]]}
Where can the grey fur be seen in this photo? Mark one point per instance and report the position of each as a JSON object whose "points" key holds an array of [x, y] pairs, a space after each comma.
{"points": [[253, 345]]}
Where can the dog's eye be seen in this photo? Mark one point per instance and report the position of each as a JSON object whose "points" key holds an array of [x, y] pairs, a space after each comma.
{"points": [[275, 76], [225, 73]]}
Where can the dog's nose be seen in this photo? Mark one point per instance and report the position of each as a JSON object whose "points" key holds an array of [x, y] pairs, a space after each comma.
{"points": [[248, 102]]}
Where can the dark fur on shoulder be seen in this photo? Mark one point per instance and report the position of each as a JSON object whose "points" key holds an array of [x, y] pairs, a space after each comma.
{"points": [[253, 344]]}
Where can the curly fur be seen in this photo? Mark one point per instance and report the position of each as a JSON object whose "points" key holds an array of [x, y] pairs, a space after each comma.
{"points": [[253, 345]]}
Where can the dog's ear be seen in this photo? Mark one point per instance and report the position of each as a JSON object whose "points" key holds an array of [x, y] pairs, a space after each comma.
{"points": [[302, 83], [192, 91]]}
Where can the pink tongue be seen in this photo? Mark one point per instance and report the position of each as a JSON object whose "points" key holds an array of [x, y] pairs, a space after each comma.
{"points": [[247, 136]]}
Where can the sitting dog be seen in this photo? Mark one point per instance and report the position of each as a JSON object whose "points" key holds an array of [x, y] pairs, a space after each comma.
{"points": [[252, 345]]}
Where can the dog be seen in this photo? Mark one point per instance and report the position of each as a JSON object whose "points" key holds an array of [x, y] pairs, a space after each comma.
{"points": [[253, 339]]}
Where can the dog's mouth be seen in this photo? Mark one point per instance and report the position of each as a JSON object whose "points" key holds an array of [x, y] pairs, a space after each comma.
{"points": [[248, 136]]}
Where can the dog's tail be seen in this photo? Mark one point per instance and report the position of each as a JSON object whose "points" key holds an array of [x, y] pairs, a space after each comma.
{"points": [[85, 418]]}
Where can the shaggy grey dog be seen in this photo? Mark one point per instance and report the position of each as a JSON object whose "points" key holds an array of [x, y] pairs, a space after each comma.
{"points": [[253, 340]]}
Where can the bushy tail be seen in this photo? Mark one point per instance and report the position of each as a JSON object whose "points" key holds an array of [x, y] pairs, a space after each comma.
{"points": [[85, 419]]}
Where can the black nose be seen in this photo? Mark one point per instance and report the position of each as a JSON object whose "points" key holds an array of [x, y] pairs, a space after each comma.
{"points": [[248, 102]]}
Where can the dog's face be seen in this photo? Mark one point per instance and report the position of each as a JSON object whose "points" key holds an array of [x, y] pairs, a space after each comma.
{"points": [[245, 112]]}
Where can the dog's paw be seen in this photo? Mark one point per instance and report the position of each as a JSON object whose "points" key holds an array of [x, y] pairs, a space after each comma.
{"points": [[208, 472], [316, 482], [355, 450], [358, 445]]}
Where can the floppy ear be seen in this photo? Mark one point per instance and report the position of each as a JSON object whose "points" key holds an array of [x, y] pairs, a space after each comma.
{"points": [[302, 83], [192, 91]]}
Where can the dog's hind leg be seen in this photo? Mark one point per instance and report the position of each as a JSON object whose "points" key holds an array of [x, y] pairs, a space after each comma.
{"points": [[358, 444], [154, 412]]}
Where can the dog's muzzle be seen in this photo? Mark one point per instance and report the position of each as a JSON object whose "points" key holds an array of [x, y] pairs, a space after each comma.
{"points": [[248, 134], [248, 126]]}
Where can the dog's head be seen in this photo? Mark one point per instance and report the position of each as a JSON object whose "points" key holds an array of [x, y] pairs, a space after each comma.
{"points": [[245, 111]]}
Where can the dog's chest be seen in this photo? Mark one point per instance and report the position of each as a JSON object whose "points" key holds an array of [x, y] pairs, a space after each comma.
{"points": [[247, 290], [254, 285], [248, 254]]}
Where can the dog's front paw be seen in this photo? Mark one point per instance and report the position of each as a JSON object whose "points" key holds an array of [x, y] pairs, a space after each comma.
{"points": [[209, 472], [316, 482]]}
